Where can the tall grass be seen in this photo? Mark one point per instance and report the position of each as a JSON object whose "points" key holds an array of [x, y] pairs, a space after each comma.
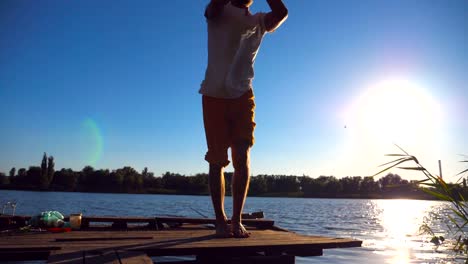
{"points": [[436, 186]]}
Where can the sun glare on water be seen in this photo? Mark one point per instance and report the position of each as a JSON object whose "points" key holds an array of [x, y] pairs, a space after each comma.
{"points": [[401, 221]]}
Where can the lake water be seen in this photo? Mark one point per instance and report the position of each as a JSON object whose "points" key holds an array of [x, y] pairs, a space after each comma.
{"points": [[389, 229]]}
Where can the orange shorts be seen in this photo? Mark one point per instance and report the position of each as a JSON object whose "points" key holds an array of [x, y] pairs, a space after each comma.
{"points": [[227, 121]]}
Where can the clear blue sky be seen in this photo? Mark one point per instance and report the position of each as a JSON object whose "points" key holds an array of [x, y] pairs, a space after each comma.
{"points": [[115, 83]]}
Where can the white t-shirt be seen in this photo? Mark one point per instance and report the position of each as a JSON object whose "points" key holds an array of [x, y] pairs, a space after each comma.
{"points": [[234, 38]]}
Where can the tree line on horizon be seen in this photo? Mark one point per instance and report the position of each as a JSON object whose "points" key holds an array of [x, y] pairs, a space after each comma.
{"points": [[128, 180]]}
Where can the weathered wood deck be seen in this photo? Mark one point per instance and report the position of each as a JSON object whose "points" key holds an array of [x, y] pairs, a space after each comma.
{"points": [[271, 245]]}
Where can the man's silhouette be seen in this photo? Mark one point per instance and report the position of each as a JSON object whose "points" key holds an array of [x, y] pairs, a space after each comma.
{"points": [[234, 37]]}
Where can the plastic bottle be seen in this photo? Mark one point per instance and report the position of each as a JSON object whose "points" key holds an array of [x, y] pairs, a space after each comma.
{"points": [[52, 219]]}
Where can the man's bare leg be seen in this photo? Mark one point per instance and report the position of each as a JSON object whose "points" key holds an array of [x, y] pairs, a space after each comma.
{"points": [[240, 185], [217, 190]]}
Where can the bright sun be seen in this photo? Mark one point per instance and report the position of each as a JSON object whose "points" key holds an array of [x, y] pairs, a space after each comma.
{"points": [[397, 111], [387, 112]]}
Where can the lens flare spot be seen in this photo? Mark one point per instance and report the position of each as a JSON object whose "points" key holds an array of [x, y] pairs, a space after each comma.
{"points": [[93, 142]]}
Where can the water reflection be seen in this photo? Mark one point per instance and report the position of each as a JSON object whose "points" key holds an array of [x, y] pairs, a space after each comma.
{"points": [[389, 229], [401, 218], [402, 241]]}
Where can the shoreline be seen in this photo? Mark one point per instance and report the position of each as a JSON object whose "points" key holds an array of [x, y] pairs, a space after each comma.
{"points": [[265, 195]]}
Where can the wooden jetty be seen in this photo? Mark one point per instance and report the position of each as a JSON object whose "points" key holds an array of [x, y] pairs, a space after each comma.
{"points": [[137, 239]]}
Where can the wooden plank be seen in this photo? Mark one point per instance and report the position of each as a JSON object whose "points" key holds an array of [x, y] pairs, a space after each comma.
{"points": [[134, 257], [267, 240], [29, 248], [120, 222], [15, 217], [253, 219], [18, 255], [253, 215], [87, 239], [9, 221], [304, 252], [194, 237], [129, 219], [117, 221], [98, 257], [258, 259], [76, 257], [259, 223], [186, 240], [101, 257]]}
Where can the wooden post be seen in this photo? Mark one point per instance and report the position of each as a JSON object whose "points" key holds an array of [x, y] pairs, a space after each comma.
{"points": [[440, 169]]}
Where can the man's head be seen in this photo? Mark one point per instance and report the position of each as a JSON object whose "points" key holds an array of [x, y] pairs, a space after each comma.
{"points": [[242, 3]]}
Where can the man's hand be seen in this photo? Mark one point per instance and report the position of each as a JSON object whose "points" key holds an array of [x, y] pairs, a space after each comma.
{"points": [[277, 16], [215, 8]]}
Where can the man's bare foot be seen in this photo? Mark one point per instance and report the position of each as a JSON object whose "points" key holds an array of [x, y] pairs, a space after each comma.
{"points": [[239, 231], [223, 230]]}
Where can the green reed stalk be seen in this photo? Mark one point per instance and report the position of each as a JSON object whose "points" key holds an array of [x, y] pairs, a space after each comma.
{"points": [[438, 188]]}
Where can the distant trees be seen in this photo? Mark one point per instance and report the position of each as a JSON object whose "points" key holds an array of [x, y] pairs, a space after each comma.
{"points": [[12, 172], [47, 171], [11, 178], [22, 172], [33, 177], [64, 180], [198, 184], [151, 183], [333, 185], [390, 180], [50, 170], [4, 180], [43, 176], [274, 184], [313, 186], [132, 180], [20, 178], [258, 185], [369, 186], [128, 180]]}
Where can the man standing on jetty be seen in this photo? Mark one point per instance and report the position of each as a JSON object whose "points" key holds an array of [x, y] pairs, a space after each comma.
{"points": [[234, 37]]}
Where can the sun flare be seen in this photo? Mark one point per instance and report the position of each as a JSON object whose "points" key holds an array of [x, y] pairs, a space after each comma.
{"points": [[387, 112], [395, 110]]}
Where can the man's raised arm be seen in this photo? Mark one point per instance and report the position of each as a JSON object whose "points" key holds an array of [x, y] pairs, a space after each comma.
{"points": [[215, 8], [277, 16]]}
